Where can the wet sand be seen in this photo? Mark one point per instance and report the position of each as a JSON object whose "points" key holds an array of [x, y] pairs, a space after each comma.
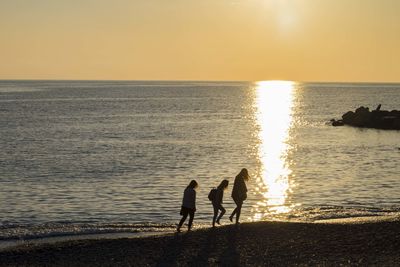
{"points": [[251, 244]]}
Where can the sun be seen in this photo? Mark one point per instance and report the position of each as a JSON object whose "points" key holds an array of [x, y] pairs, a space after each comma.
{"points": [[284, 13]]}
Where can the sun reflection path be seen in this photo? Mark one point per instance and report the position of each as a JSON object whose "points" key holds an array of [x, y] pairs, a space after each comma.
{"points": [[274, 101]]}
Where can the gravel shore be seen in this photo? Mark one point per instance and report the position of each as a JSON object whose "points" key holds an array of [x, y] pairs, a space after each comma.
{"points": [[251, 244]]}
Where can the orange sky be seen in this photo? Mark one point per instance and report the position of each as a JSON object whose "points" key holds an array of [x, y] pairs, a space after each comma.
{"points": [[302, 40]]}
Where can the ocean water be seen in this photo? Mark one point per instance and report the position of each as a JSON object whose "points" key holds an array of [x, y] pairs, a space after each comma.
{"points": [[82, 157]]}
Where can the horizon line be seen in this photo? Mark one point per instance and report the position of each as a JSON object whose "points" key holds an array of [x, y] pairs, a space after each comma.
{"points": [[192, 80]]}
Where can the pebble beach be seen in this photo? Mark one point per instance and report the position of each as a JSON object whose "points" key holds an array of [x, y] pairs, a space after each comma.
{"points": [[365, 243]]}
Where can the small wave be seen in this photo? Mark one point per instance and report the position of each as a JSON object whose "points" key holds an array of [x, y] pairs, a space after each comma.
{"points": [[12, 235], [26, 232], [326, 213]]}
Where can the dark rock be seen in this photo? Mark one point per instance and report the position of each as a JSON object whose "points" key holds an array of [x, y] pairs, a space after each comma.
{"points": [[337, 122], [396, 123], [379, 119], [362, 110], [395, 113], [348, 117], [362, 117], [387, 122]]}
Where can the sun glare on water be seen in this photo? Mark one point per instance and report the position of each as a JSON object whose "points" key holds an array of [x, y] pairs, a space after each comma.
{"points": [[274, 100]]}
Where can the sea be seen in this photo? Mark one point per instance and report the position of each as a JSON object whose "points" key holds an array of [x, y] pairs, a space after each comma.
{"points": [[112, 158]]}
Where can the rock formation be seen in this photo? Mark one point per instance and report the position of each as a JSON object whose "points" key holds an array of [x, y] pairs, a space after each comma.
{"points": [[378, 119]]}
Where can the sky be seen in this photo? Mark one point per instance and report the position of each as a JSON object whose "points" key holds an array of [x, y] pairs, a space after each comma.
{"points": [[249, 40]]}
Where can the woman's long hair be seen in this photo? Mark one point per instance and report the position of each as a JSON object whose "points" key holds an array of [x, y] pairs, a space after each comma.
{"points": [[193, 184], [223, 185], [243, 174]]}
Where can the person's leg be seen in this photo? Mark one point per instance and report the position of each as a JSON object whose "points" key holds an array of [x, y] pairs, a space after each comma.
{"points": [[184, 216], [235, 211], [191, 217], [239, 209], [233, 214], [221, 214], [215, 215]]}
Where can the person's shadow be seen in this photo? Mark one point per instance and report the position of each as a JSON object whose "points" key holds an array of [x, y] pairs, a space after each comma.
{"points": [[230, 256], [213, 253], [217, 247], [172, 249]]}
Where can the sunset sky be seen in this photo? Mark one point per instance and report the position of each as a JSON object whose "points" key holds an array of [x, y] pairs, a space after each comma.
{"points": [[300, 40]]}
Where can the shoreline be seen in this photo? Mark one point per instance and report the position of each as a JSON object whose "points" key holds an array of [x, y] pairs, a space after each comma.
{"points": [[14, 243], [258, 243]]}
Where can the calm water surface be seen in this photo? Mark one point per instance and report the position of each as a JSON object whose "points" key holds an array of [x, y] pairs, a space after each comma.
{"points": [[86, 156]]}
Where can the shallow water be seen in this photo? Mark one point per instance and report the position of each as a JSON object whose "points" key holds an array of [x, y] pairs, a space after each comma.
{"points": [[121, 153]]}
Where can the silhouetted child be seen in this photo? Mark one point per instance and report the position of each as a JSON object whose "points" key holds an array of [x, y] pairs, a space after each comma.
{"points": [[217, 201], [188, 205]]}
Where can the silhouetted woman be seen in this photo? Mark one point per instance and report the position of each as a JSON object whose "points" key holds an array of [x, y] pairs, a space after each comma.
{"points": [[217, 202], [239, 193], [188, 205]]}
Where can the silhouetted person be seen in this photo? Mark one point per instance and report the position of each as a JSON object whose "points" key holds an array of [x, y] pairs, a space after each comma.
{"points": [[239, 193], [217, 202], [188, 205]]}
